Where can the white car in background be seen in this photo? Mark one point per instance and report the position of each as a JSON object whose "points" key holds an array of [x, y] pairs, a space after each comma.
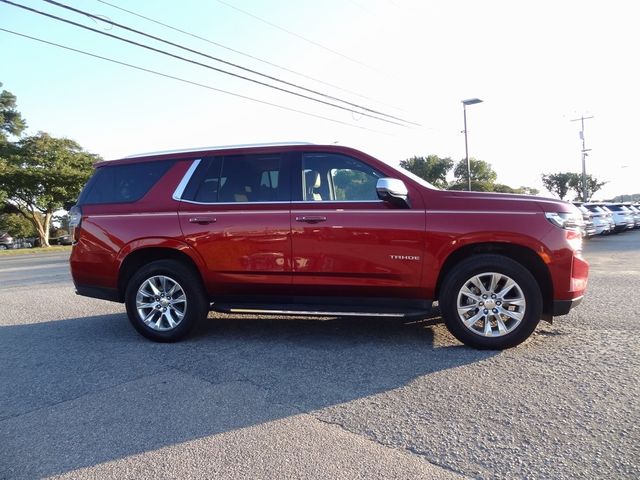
{"points": [[6, 241], [622, 217], [635, 212], [602, 219]]}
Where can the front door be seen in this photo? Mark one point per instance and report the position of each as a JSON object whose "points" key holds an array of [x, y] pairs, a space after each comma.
{"points": [[346, 241]]}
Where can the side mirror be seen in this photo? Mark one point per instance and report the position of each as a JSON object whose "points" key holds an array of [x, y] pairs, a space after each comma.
{"points": [[393, 191]]}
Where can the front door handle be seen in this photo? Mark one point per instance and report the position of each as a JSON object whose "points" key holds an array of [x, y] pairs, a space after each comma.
{"points": [[311, 219], [202, 220]]}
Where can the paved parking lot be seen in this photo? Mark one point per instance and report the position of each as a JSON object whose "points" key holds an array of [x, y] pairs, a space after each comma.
{"points": [[84, 396]]}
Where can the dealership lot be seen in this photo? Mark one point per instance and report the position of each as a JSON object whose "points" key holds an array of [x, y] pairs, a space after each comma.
{"points": [[84, 396]]}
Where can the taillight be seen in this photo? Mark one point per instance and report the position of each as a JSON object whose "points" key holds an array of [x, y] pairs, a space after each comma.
{"points": [[570, 222], [565, 220], [75, 219]]}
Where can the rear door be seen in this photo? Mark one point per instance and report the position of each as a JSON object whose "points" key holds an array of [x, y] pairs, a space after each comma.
{"points": [[347, 242], [235, 211]]}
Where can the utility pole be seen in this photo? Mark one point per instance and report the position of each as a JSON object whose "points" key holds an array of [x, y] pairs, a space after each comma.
{"points": [[584, 156]]}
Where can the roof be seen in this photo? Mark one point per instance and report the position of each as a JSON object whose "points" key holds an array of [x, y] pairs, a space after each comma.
{"points": [[219, 147]]}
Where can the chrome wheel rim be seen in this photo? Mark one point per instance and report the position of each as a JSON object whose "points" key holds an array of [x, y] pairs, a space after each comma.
{"points": [[491, 304], [161, 303]]}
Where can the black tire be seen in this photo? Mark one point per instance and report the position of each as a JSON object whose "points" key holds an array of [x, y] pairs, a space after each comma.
{"points": [[188, 280], [517, 331]]}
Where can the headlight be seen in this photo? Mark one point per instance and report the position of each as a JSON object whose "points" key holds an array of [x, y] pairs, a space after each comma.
{"points": [[566, 220]]}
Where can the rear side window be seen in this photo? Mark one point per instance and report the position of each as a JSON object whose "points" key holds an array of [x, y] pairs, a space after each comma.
{"points": [[123, 183], [240, 179]]}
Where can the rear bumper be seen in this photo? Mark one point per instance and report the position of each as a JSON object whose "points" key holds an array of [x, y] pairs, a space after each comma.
{"points": [[102, 293], [562, 307]]}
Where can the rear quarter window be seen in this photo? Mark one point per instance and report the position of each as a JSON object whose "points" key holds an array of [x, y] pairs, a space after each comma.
{"points": [[123, 183]]}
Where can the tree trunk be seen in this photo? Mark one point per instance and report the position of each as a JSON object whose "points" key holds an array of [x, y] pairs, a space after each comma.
{"points": [[44, 240], [42, 225]]}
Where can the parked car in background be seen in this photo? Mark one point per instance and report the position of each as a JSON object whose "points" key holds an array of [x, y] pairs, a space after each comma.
{"points": [[6, 241], [61, 240], [624, 212], [622, 219], [635, 212], [320, 230], [587, 227], [65, 240], [23, 243], [602, 220]]}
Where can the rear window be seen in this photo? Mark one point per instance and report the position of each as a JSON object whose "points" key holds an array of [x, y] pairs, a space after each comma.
{"points": [[123, 183]]}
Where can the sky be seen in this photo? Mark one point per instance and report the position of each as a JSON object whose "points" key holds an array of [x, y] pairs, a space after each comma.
{"points": [[537, 65]]}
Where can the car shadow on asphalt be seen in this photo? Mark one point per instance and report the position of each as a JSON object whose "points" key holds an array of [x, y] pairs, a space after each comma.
{"points": [[85, 391]]}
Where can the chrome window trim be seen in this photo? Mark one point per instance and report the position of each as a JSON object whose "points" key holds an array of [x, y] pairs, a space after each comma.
{"points": [[317, 202], [325, 202], [479, 212], [177, 194], [235, 203]]}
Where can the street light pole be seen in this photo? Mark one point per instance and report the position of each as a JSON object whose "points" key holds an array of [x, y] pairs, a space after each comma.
{"points": [[466, 146], [584, 156], [470, 101]]}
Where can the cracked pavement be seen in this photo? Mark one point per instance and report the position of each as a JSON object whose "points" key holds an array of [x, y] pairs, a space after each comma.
{"points": [[84, 396]]}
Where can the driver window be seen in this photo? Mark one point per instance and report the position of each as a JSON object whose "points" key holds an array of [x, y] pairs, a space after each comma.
{"points": [[334, 177]]}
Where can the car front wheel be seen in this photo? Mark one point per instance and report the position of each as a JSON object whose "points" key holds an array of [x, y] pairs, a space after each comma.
{"points": [[165, 300], [491, 302]]}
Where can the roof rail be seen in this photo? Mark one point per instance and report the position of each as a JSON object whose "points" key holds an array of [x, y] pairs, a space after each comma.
{"points": [[219, 147]]}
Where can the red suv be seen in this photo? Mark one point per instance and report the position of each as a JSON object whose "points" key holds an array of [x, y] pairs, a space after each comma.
{"points": [[319, 230]]}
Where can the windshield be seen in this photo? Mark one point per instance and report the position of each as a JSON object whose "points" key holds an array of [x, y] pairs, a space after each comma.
{"points": [[413, 177]]}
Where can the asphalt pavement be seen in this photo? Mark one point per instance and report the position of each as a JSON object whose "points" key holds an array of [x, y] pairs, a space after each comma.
{"points": [[82, 395], [36, 269]]}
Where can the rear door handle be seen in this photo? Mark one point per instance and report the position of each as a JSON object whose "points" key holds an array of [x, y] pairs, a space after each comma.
{"points": [[311, 219], [202, 220]]}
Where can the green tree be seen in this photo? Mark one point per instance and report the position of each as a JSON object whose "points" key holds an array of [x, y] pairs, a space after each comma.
{"points": [[527, 190], [40, 173], [432, 168], [501, 188], [11, 121], [593, 185], [558, 183], [354, 185], [483, 177], [475, 186], [17, 225]]}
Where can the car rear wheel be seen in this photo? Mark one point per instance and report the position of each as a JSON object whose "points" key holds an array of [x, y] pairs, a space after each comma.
{"points": [[491, 302], [165, 299]]}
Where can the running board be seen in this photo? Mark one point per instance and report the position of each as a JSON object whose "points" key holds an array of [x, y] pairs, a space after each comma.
{"points": [[318, 310]]}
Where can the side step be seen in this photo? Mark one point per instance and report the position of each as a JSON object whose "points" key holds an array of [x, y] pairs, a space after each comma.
{"points": [[314, 310]]}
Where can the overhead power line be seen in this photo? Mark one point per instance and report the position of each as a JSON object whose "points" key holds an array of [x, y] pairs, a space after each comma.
{"points": [[297, 35], [183, 80], [244, 54], [194, 62], [217, 59]]}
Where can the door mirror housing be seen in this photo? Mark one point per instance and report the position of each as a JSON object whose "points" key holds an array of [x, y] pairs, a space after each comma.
{"points": [[394, 191]]}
